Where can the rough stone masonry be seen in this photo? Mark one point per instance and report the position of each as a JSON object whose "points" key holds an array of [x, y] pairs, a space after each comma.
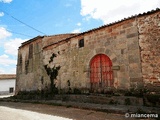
{"points": [[121, 55]]}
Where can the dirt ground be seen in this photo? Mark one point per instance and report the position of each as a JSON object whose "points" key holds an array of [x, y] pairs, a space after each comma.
{"points": [[66, 112]]}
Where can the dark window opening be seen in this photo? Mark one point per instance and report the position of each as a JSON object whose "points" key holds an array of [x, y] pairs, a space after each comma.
{"points": [[81, 43], [20, 59], [30, 51], [122, 51], [26, 66], [11, 90]]}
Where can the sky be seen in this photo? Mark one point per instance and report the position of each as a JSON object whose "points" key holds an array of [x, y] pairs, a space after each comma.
{"points": [[21, 20]]}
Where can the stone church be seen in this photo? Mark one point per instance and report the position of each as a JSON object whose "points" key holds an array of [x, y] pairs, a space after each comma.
{"points": [[120, 55]]}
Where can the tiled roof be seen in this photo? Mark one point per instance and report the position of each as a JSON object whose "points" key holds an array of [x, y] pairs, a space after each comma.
{"points": [[133, 16], [7, 76], [35, 38], [31, 40], [78, 34]]}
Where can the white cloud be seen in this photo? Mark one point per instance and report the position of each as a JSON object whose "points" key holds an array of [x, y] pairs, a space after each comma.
{"points": [[6, 1], [11, 70], [77, 30], [11, 46], [6, 61], [2, 70], [79, 24], [111, 11], [4, 33], [1, 14], [87, 18], [8, 70]]}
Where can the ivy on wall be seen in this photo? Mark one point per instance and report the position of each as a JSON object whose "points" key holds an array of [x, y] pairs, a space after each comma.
{"points": [[52, 57], [52, 73]]}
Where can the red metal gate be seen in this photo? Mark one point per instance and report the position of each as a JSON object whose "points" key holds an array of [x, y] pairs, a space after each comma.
{"points": [[101, 75]]}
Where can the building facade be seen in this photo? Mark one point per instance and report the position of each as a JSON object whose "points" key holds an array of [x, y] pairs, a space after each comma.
{"points": [[120, 55], [7, 83]]}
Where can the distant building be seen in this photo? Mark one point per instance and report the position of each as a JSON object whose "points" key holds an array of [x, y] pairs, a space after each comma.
{"points": [[121, 56], [7, 84]]}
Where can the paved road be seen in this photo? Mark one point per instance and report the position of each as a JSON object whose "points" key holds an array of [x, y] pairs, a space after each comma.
{"points": [[27, 111]]}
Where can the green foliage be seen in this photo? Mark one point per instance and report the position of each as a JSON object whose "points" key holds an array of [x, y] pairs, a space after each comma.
{"points": [[68, 106], [135, 92], [127, 101], [52, 57], [111, 102], [34, 95], [69, 88], [76, 91], [69, 91], [68, 82], [28, 95], [52, 73], [65, 98], [109, 92], [153, 98], [140, 111], [48, 70]]}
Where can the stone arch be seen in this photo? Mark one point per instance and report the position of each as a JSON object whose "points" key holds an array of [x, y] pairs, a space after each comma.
{"points": [[96, 51], [93, 53]]}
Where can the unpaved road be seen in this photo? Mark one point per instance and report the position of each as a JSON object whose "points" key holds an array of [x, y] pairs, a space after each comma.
{"points": [[17, 114], [28, 111]]}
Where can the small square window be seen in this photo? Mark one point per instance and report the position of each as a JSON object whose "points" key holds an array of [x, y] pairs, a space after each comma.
{"points": [[11, 90], [81, 43]]}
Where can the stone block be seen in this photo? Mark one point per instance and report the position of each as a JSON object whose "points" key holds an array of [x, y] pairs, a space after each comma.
{"points": [[107, 51], [107, 43], [133, 73], [100, 50], [134, 58], [124, 83], [139, 79], [122, 31], [124, 75], [112, 56], [127, 25], [133, 44], [132, 35], [114, 60], [121, 46]]}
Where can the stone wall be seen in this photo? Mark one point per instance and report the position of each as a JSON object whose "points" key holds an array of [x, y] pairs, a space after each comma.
{"points": [[29, 66], [149, 42], [119, 42], [31, 74], [49, 40], [132, 45]]}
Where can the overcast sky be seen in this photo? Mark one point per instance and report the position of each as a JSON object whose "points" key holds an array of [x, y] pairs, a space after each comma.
{"points": [[21, 20]]}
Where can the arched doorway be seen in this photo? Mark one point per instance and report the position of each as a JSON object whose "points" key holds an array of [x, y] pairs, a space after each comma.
{"points": [[101, 74]]}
